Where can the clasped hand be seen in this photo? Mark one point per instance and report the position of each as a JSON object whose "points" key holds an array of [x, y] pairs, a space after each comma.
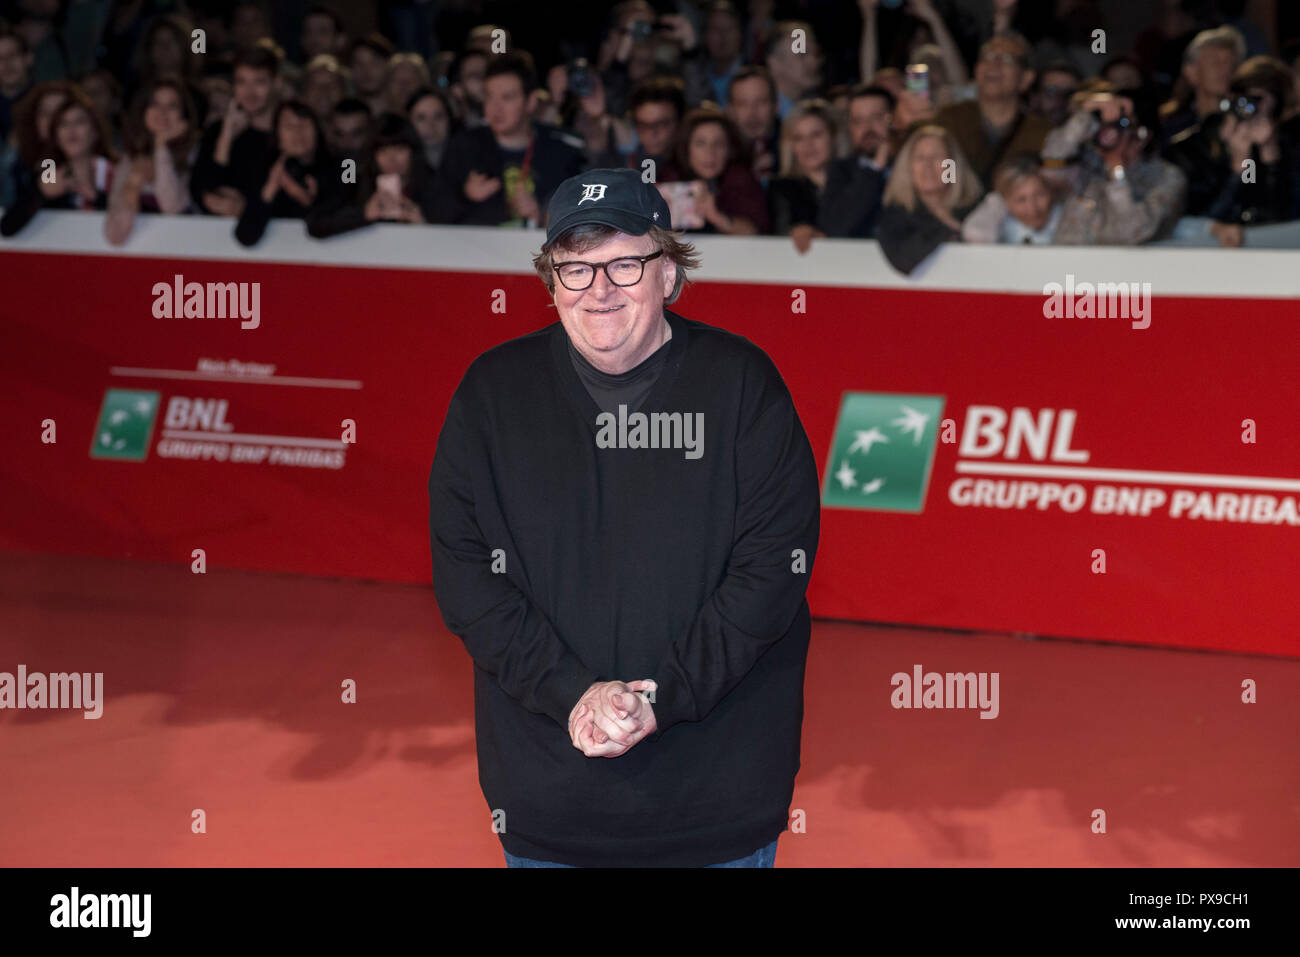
{"points": [[611, 717]]}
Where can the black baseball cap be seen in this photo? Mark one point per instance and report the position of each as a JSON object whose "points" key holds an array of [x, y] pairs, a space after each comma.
{"points": [[611, 197]]}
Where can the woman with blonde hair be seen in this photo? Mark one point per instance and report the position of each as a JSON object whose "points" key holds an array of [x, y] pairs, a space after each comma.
{"points": [[931, 190], [810, 141]]}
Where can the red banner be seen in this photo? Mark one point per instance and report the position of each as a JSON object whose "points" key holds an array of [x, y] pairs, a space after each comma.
{"points": [[984, 466]]}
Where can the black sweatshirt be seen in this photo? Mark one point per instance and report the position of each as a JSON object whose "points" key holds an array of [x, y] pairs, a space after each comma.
{"points": [[252, 154], [908, 237], [258, 213], [609, 390], [626, 563]]}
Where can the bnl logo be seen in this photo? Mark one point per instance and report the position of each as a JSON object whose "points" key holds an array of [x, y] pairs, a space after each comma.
{"points": [[882, 451], [125, 425]]}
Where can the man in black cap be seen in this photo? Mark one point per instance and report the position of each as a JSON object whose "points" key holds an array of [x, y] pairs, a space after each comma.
{"points": [[624, 512]]}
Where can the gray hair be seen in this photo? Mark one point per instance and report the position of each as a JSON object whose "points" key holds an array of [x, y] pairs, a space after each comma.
{"points": [[1219, 37]]}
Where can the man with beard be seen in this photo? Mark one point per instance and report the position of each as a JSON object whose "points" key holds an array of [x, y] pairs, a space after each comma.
{"points": [[854, 185]]}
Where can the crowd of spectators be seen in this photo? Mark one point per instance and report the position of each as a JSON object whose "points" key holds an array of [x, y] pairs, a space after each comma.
{"points": [[914, 122]]}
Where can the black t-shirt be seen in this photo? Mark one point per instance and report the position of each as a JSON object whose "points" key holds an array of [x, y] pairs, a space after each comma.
{"points": [[628, 388]]}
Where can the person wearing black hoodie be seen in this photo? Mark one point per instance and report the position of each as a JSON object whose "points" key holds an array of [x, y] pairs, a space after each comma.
{"points": [[633, 601], [302, 173]]}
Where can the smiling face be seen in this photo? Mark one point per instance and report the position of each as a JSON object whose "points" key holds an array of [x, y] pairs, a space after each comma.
{"points": [[1030, 202], [615, 327], [928, 154], [999, 72]]}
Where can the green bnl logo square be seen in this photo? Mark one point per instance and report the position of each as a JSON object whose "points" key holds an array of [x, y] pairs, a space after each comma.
{"points": [[125, 425], [882, 451]]}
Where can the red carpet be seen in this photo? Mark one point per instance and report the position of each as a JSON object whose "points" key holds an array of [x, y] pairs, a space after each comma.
{"points": [[223, 693]]}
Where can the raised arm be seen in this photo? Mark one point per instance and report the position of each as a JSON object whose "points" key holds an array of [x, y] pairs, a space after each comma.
{"points": [[868, 55], [954, 64]]}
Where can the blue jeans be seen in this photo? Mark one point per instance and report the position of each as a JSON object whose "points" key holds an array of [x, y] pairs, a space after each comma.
{"points": [[763, 857]]}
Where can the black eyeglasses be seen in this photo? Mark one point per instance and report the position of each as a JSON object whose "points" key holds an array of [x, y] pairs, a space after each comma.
{"points": [[624, 271]]}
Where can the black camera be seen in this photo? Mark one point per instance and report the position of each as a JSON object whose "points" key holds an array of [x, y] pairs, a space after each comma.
{"points": [[580, 78], [642, 30], [1109, 134], [1243, 107]]}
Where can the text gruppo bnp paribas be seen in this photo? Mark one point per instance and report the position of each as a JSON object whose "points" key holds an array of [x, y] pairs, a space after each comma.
{"points": [[199, 429], [1040, 445]]}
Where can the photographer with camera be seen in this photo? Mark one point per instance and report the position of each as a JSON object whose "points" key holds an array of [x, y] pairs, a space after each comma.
{"points": [[577, 88], [630, 47], [1118, 192], [1209, 62], [1239, 163]]}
